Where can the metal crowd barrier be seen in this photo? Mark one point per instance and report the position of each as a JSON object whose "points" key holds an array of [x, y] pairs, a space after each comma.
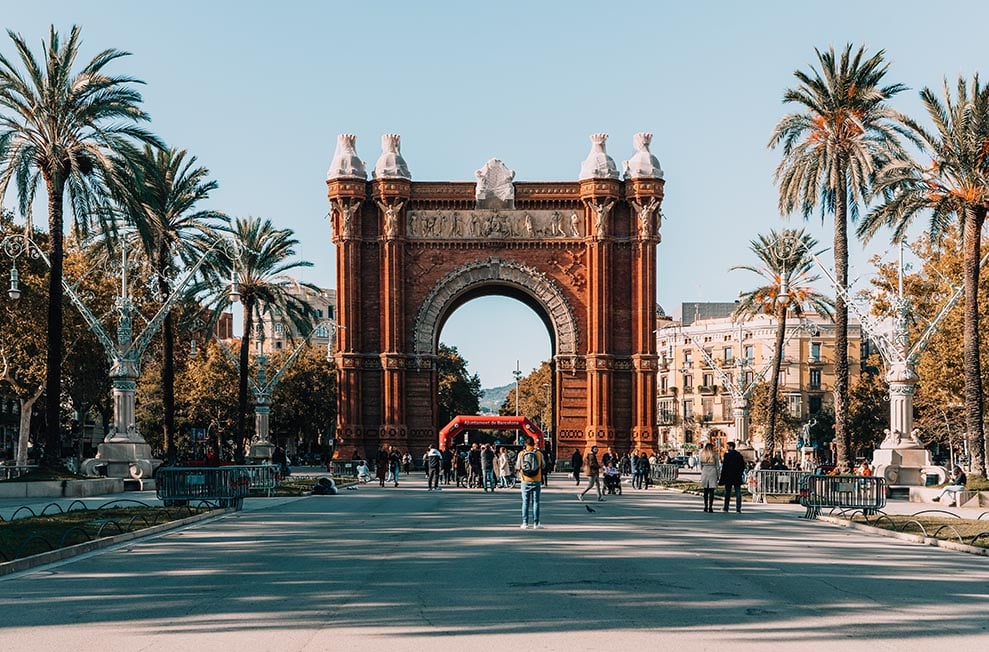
{"points": [[264, 477], [664, 472], [11, 472], [769, 482], [346, 469], [227, 485], [867, 493]]}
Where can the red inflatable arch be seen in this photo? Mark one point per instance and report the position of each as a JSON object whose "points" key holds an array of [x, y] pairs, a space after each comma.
{"points": [[481, 422]]}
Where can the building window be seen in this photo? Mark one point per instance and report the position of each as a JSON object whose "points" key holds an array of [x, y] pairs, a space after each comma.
{"points": [[815, 379], [329, 311], [279, 329], [814, 404], [708, 380], [319, 312], [749, 353], [815, 351], [278, 345], [667, 411], [664, 383], [749, 377], [321, 331], [794, 405], [688, 383], [729, 356], [688, 358], [726, 414], [707, 409], [688, 410]]}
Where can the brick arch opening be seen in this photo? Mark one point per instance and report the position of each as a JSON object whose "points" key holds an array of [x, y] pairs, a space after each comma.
{"points": [[582, 254]]}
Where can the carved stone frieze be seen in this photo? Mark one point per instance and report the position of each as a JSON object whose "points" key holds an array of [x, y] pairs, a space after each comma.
{"points": [[502, 272], [493, 224]]}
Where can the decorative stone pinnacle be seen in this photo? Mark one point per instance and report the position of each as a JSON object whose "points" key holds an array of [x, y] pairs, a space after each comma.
{"points": [[345, 163], [642, 165], [390, 164], [598, 165]]}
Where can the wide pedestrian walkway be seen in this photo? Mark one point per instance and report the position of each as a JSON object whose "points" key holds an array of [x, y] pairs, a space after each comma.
{"points": [[406, 569]]}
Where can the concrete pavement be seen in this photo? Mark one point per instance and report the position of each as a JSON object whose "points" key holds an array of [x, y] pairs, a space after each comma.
{"points": [[405, 569]]}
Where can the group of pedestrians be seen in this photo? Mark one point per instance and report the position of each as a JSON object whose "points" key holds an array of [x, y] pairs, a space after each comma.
{"points": [[606, 475], [729, 472]]}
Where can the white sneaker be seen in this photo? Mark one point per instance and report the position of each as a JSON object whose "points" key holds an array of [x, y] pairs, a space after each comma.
{"points": [[523, 526], [537, 526], [580, 497]]}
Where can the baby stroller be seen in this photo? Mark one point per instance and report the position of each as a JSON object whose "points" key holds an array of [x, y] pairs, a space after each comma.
{"points": [[363, 473], [612, 481]]}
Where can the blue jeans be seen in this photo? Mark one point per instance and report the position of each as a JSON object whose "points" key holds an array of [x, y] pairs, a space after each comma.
{"points": [[489, 479], [530, 496]]}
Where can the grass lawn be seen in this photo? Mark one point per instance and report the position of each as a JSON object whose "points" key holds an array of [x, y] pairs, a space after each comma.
{"points": [[24, 537], [946, 528]]}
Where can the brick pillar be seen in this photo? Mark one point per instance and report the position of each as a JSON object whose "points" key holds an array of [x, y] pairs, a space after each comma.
{"points": [[645, 197], [348, 208], [600, 198], [391, 197]]}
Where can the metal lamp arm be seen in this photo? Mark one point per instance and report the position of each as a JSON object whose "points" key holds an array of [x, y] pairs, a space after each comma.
{"points": [[726, 380], [270, 387], [144, 339]]}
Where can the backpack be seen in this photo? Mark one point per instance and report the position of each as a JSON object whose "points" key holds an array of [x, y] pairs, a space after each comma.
{"points": [[530, 463]]}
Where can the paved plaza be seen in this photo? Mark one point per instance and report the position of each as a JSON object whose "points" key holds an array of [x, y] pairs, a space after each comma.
{"points": [[405, 569]]}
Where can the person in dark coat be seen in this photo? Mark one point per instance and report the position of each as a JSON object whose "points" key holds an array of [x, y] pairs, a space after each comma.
{"points": [[576, 460], [732, 471], [381, 462]]}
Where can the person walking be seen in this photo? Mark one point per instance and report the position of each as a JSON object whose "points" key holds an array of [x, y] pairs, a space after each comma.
{"points": [[381, 464], [501, 468], [710, 470], [576, 460], [447, 464], [474, 466], [487, 467], [593, 475], [550, 462], [395, 459], [530, 463], [434, 463], [732, 472], [645, 471]]}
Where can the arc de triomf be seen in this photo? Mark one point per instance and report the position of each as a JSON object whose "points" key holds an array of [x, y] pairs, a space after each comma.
{"points": [[581, 254]]}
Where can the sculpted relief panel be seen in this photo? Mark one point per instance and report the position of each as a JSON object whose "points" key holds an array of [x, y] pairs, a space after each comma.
{"points": [[494, 224]]}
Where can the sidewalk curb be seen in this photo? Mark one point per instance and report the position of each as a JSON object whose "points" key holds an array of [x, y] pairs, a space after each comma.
{"points": [[903, 536], [27, 563]]}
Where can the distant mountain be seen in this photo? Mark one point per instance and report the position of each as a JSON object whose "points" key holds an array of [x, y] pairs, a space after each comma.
{"points": [[493, 398]]}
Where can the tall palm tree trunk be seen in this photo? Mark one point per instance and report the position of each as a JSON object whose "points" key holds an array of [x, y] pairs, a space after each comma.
{"points": [[972, 246], [168, 388], [53, 374], [245, 349], [841, 434], [774, 382]]}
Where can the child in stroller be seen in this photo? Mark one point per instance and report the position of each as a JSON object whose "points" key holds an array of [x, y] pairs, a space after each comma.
{"points": [[363, 473], [612, 478]]}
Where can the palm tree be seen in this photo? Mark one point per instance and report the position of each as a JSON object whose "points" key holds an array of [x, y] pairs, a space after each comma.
{"points": [[265, 255], [63, 128], [954, 187], [785, 263], [160, 200], [832, 150]]}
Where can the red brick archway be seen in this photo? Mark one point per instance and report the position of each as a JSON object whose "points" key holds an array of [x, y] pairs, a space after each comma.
{"points": [[582, 254]]}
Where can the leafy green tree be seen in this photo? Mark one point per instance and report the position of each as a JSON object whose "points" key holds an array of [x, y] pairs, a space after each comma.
{"points": [[785, 265], [760, 407], [63, 128], [953, 188], [868, 409], [265, 255], [304, 403], [210, 391], [535, 400], [843, 133], [459, 392], [158, 190]]}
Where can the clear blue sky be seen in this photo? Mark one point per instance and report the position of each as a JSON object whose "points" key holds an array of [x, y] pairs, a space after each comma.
{"points": [[259, 91]]}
